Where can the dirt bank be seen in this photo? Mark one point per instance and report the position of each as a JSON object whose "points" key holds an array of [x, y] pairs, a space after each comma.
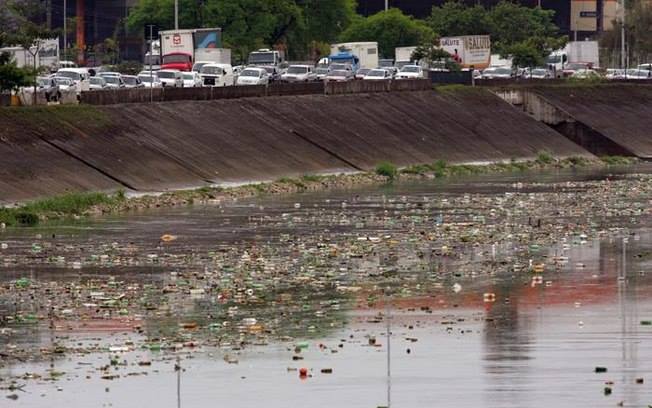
{"points": [[154, 147]]}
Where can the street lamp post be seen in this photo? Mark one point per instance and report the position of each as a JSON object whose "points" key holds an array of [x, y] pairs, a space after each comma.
{"points": [[176, 14], [386, 5], [65, 32]]}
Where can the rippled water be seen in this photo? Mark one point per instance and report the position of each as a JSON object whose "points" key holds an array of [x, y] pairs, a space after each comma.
{"points": [[536, 345]]}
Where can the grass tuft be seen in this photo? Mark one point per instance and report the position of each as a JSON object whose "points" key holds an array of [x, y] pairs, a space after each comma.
{"points": [[387, 169]]}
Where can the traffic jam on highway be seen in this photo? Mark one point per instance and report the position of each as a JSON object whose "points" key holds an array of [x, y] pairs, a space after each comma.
{"points": [[195, 58]]}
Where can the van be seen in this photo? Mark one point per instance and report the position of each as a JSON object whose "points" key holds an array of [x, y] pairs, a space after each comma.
{"points": [[80, 76], [217, 75]]}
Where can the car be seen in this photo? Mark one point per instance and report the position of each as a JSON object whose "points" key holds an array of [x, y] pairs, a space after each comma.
{"points": [[340, 75], [299, 73], [321, 73], [67, 64], [80, 76], [638, 74], [572, 67], [272, 72], [170, 78], [217, 75], [410, 72], [132, 81], [497, 73], [378, 74], [114, 82], [50, 87], [65, 84], [152, 81], [615, 73], [360, 73], [647, 67], [253, 76], [97, 82], [585, 74], [539, 73], [196, 67], [191, 79]]}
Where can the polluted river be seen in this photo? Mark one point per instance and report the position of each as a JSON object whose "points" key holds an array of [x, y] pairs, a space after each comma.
{"points": [[511, 290]]}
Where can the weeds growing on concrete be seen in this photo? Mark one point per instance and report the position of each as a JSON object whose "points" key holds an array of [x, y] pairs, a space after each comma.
{"points": [[57, 207], [545, 157], [387, 169], [617, 160]]}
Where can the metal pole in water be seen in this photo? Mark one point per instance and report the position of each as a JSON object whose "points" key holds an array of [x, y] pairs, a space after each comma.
{"points": [[389, 349]]}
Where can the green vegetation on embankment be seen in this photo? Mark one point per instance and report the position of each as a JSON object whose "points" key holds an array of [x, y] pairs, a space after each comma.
{"points": [[84, 204]]}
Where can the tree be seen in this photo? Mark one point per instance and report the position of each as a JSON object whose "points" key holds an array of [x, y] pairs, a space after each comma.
{"points": [[28, 35], [507, 23], [11, 77], [454, 18], [525, 55], [390, 29]]}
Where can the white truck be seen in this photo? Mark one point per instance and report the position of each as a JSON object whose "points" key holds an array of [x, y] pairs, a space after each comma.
{"points": [[575, 54], [365, 52], [469, 51], [181, 48], [266, 57], [403, 56]]}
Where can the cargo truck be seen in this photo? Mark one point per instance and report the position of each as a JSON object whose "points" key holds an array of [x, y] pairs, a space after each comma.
{"points": [[403, 56], [180, 49], [469, 51], [358, 54], [575, 53]]}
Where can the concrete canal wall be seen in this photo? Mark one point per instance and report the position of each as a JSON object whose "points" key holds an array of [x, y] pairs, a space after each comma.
{"points": [[604, 119], [152, 147]]}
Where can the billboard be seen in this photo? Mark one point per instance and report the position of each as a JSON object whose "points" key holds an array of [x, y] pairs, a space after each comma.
{"points": [[208, 38], [469, 50]]}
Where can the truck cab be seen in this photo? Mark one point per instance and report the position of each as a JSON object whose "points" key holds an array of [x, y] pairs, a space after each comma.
{"points": [[177, 60], [345, 58], [265, 56]]}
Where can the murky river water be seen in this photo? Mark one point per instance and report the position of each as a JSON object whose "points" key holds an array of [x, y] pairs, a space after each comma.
{"points": [[246, 294]]}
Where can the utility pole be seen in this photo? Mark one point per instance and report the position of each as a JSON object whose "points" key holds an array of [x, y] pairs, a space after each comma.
{"points": [[386, 5], [151, 52], [623, 53], [65, 30], [176, 14]]}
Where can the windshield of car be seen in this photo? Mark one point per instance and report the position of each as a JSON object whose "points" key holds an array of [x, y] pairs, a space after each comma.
{"points": [[130, 80], [43, 82], [376, 73], [410, 68], [166, 74], [112, 80], [647, 67], [188, 76], [250, 73], [198, 66], [147, 78], [321, 71], [339, 73], [97, 81], [638, 72], [261, 58], [297, 70], [175, 58], [75, 76], [363, 71], [63, 81], [538, 72], [212, 70]]}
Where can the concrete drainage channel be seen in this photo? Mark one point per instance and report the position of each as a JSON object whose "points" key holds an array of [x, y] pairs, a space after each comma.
{"points": [[603, 119]]}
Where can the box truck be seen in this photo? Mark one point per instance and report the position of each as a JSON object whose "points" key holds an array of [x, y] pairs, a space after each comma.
{"points": [[468, 50], [358, 54], [180, 49]]}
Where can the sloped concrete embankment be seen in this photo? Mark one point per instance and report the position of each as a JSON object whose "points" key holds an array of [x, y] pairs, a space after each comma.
{"points": [[604, 119], [152, 147]]}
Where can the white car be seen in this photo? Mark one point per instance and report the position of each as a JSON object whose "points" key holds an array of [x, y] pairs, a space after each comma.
{"points": [[538, 73], [132, 81], [171, 78], [80, 76], [646, 67], [298, 73], [253, 76], [497, 73], [65, 84], [114, 82], [97, 82], [217, 75], [378, 75], [321, 73], [340, 75], [638, 74], [196, 67], [191, 79], [615, 73], [410, 72], [152, 81]]}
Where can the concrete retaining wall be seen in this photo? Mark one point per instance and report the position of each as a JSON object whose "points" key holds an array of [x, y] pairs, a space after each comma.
{"points": [[116, 96], [149, 147]]}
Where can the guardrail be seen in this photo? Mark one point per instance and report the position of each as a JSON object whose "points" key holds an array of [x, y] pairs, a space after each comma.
{"points": [[143, 95]]}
